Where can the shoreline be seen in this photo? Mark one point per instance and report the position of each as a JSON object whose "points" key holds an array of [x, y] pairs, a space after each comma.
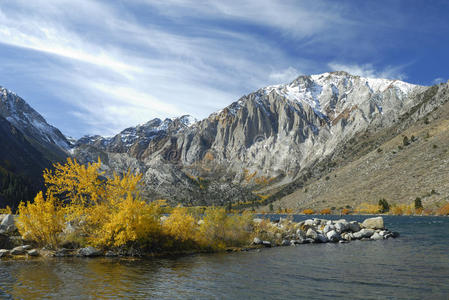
{"points": [[265, 234]]}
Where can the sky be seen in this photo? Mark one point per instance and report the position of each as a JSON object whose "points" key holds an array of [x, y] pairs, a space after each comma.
{"points": [[97, 67]]}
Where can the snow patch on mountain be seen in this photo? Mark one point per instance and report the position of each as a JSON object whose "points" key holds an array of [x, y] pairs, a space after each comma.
{"points": [[29, 121]]}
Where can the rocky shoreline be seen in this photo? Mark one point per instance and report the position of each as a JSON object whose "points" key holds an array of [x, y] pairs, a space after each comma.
{"points": [[285, 232], [282, 232]]}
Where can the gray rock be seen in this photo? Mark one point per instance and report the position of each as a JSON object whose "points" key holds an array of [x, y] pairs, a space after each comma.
{"points": [[4, 253], [391, 235], [347, 236], [285, 243], [300, 234], [374, 223], [341, 226], [309, 241], [257, 241], [63, 253], [26, 247], [89, 252], [321, 239], [328, 228], [309, 222], [354, 226], [364, 233], [311, 234], [333, 236], [33, 252], [19, 250], [257, 220], [376, 236], [7, 220], [8, 224], [266, 243], [111, 254]]}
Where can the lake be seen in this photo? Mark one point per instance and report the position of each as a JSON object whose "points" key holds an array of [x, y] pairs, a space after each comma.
{"points": [[413, 266]]}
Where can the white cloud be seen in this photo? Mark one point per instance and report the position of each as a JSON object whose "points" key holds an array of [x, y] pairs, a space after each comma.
{"points": [[438, 80], [284, 76], [368, 70], [119, 67]]}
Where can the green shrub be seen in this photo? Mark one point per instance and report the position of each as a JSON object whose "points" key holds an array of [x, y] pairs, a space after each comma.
{"points": [[383, 206]]}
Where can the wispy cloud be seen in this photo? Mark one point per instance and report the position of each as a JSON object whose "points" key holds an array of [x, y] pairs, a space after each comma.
{"points": [[369, 70], [438, 80], [121, 63], [285, 75]]}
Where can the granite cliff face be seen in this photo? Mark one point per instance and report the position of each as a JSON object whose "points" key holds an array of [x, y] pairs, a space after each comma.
{"points": [[259, 143]]}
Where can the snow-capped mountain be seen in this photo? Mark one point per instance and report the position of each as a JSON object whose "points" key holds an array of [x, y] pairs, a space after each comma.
{"points": [[30, 122], [139, 136], [272, 134], [264, 142]]}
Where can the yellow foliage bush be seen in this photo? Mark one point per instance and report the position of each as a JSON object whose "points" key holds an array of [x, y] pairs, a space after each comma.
{"points": [[403, 209], [308, 211], [7, 210], [326, 211], [444, 211], [127, 221], [181, 228], [41, 221], [367, 208], [110, 213], [345, 211], [219, 229]]}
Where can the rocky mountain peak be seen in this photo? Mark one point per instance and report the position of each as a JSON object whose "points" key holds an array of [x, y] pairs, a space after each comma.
{"points": [[30, 122]]}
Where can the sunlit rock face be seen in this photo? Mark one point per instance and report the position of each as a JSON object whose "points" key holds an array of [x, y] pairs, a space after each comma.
{"points": [[264, 139]]}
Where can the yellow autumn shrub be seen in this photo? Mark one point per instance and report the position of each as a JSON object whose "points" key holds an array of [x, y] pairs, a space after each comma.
{"points": [[403, 209], [127, 221], [219, 229], [7, 210], [74, 182], [444, 211], [109, 212], [325, 211], [41, 221], [367, 208], [181, 229]]}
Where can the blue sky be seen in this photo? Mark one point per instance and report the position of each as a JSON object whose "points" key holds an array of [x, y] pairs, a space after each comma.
{"points": [[96, 67]]}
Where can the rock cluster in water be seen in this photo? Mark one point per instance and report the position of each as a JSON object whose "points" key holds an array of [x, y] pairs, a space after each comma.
{"points": [[286, 232]]}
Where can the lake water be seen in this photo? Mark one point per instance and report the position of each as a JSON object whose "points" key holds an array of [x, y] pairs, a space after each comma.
{"points": [[414, 266]]}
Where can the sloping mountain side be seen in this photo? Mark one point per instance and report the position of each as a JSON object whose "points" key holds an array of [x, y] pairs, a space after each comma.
{"points": [[401, 163], [266, 144], [21, 166], [28, 145]]}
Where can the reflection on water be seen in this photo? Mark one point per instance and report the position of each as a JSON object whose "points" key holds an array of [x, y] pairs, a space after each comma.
{"points": [[414, 266]]}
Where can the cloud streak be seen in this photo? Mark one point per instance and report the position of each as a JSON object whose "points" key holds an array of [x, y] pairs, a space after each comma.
{"points": [[117, 64]]}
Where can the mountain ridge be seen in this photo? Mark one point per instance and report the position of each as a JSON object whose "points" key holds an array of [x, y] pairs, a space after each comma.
{"points": [[254, 150], [271, 134]]}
